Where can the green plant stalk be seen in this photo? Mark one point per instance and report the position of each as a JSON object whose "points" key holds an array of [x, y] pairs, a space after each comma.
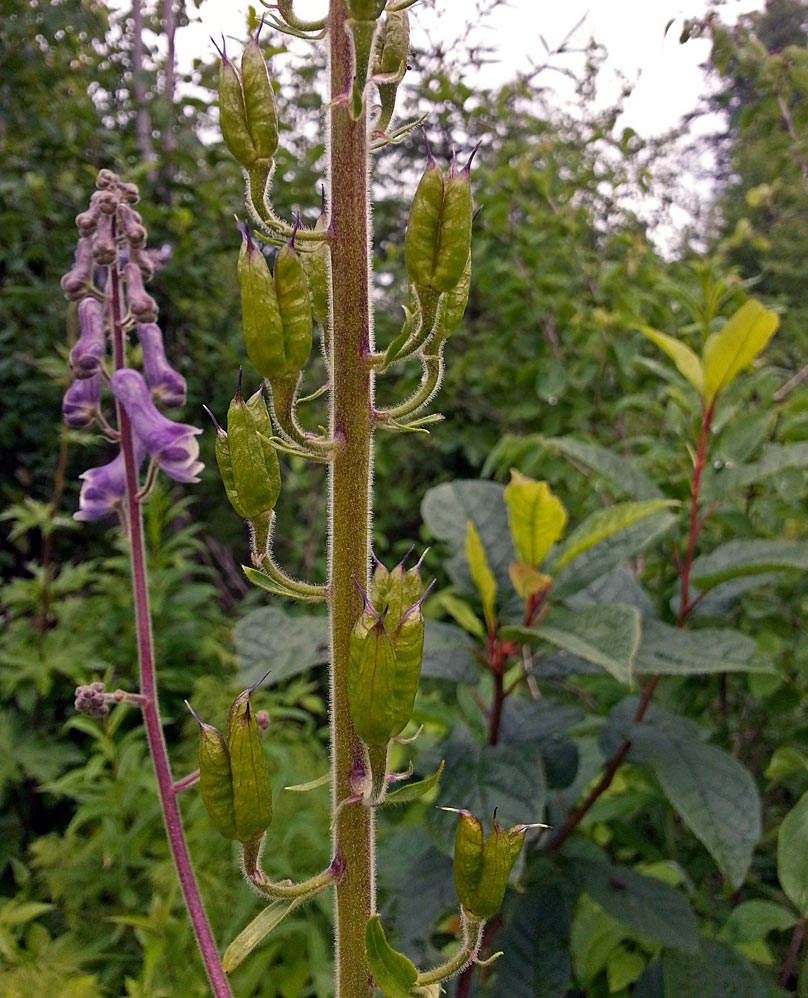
{"points": [[349, 499]]}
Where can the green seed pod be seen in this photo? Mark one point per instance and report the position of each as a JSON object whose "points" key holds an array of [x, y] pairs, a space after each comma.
{"points": [[292, 290], [481, 870], [222, 451], [371, 681], [318, 272], [423, 227], [252, 793], [216, 779], [364, 10], [259, 101], [253, 461], [453, 305], [455, 230], [391, 61], [233, 113], [392, 593], [260, 316]]}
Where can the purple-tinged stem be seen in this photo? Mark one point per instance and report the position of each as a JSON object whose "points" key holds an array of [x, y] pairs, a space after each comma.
{"points": [[148, 682]]}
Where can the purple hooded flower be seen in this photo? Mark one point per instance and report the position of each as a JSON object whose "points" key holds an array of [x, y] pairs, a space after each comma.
{"points": [[88, 354], [80, 403], [167, 385], [171, 445], [103, 488]]}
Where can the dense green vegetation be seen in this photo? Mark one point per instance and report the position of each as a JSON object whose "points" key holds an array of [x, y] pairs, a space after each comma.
{"points": [[689, 867]]}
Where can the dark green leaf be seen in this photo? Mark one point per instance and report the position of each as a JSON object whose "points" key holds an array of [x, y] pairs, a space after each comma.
{"points": [[536, 942], [792, 854], [741, 558], [270, 639], [621, 473], [671, 651]]}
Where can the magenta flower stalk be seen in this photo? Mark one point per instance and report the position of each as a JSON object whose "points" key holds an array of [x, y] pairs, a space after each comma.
{"points": [[80, 403], [87, 355], [166, 385], [172, 445]]}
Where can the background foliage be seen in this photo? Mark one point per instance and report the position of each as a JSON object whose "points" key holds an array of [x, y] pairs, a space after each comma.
{"points": [[547, 374]]}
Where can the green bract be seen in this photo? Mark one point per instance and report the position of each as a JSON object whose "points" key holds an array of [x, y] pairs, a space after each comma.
{"points": [[482, 868]]}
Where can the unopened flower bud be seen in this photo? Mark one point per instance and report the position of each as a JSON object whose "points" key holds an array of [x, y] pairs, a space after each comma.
{"points": [[130, 223], [262, 720], [80, 403], [87, 355], [141, 304], [166, 385], [76, 281], [86, 221], [129, 192], [106, 179], [103, 243]]}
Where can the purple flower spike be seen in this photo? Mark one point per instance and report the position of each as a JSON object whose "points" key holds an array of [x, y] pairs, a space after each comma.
{"points": [[88, 353], [103, 488], [167, 385], [80, 403], [172, 445]]}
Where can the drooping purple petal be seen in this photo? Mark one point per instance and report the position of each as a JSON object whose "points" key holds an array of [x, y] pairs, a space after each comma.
{"points": [[103, 488], [167, 385], [80, 403], [171, 444], [88, 354]]}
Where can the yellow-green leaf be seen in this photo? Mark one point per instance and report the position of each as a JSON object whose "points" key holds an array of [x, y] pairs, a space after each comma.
{"points": [[680, 353], [526, 580], [481, 573], [462, 613], [393, 972], [604, 523], [258, 929], [535, 516], [740, 339]]}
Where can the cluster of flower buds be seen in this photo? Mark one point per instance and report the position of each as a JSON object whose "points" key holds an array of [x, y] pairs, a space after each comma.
{"points": [[248, 463], [92, 700], [482, 866], [384, 662], [233, 775], [111, 254]]}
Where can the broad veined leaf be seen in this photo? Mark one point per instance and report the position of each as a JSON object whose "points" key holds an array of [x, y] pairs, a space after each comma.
{"points": [[732, 479], [672, 651], [792, 854], [269, 638], [718, 971], [448, 653], [536, 942], [741, 558], [258, 929], [646, 905], [394, 973], [740, 339], [481, 573], [536, 517], [714, 794], [603, 524], [755, 919], [623, 475], [608, 635], [680, 353]]}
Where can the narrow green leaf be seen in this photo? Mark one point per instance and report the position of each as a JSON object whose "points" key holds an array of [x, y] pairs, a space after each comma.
{"points": [[621, 473], [680, 353], [605, 522], [730, 479], [462, 613], [608, 635], [741, 558], [527, 581], [271, 586], [734, 346], [321, 781], [481, 573], [414, 791], [792, 854], [535, 516], [258, 929], [393, 972]]}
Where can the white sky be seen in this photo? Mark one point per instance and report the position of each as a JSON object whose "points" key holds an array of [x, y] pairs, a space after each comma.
{"points": [[668, 79]]}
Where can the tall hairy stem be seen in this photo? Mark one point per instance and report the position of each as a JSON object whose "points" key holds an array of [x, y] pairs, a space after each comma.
{"points": [[166, 787], [350, 497]]}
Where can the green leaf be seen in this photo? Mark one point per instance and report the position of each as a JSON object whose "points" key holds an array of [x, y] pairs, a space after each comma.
{"points": [[792, 854], [623, 968], [414, 791], [462, 613], [481, 573], [714, 794], [527, 581], [269, 585], [536, 942], [649, 907], [320, 781], [608, 635], [672, 651], [603, 523], [730, 479], [595, 934], [755, 919], [535, 516], [680, 353], [717, 972], [393, 972], [603, 557], [448, 653], [741, 558], [621, 473], [734, 346], [269, 638], [258, 929]]}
